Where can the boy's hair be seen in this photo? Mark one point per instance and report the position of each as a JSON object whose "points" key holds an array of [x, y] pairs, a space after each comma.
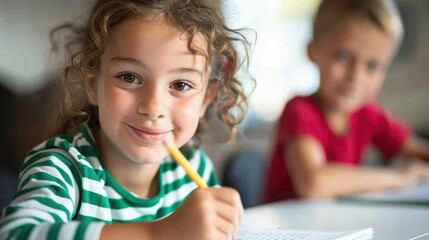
{"points": [[381, 13], [193, 17]]}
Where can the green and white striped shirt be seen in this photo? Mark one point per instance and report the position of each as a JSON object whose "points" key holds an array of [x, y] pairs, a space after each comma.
{"points": [[64, 192]]}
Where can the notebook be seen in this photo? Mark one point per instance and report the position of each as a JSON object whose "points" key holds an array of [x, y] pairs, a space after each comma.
{"points": [[286, 234], [417, 195]]}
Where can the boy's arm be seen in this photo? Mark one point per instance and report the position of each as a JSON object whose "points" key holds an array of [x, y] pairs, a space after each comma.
{"points": [[313, 177], [416, 147]]}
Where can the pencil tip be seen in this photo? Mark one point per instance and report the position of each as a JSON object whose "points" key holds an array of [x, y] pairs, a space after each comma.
{"points": [[168, 139]]}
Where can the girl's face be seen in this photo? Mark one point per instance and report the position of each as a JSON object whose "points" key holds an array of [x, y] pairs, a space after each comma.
{"points": [[352, 61], [149, 86]]}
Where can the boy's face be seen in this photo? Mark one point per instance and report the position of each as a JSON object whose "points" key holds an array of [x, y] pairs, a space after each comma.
{"points": [[149, 86], [352, 61]]}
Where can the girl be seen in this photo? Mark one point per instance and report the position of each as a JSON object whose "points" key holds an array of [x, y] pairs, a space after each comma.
{"points": [[321, 138], [139, 72]]}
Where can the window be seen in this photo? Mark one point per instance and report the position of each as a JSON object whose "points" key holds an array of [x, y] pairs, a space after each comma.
{"points": [[279, 62]]}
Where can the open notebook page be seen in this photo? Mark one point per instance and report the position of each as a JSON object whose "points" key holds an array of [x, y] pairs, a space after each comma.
{"points": [[418, 194], [285, 234]]}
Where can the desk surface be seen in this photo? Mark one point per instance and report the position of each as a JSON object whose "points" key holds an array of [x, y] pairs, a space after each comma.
{"points": [[389, 222]]}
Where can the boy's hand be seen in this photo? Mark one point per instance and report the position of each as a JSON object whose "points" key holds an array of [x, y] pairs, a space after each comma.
{"points": [[413, 171], [213, 213]]}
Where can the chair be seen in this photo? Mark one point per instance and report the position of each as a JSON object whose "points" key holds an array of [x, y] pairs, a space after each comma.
{"points": [[245, 171], [8, 187]]}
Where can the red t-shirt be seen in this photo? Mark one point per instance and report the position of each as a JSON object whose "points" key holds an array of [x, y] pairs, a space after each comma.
{"points": [[301, 116]]}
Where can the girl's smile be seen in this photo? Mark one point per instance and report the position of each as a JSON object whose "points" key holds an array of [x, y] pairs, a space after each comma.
{"points": [[150, 135]]}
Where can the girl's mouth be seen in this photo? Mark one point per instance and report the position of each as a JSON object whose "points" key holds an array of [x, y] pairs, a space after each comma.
{"points": [[149, 135]]}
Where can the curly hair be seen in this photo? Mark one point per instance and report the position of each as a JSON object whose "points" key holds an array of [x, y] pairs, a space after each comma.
{"points": [[86, 44]]}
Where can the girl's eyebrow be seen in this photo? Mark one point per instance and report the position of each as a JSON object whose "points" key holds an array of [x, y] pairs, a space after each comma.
{"points": [[185, 70], [128, 60], [140, 64]]}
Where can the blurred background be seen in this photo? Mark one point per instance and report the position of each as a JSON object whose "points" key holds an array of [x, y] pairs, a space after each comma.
{"points": [[279, 64]]}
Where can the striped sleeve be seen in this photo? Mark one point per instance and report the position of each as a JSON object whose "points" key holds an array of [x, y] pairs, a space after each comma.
{"points": [[206, 169], [46, 201]]}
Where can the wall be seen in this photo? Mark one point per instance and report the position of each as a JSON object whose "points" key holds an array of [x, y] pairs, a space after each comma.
{"points": [[406, 91], [25, 57]]}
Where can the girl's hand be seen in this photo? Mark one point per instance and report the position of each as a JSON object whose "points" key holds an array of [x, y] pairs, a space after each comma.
{"points": [[213, 213]]}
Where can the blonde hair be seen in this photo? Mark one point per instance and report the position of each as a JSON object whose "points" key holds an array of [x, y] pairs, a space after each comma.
{"points": [[193, 17], [383, 14]]}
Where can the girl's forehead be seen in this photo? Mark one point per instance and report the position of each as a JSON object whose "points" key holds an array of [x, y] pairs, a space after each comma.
{"points": [[159, 28], [149, 40], [140, 35]]}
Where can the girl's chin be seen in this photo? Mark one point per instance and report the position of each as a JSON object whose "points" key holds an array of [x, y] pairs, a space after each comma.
{"points": [[146, 157], [147, 161]]}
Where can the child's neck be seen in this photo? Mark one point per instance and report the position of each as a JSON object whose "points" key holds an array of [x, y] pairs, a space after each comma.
{"points": [[140, 179], [142, 182], [336, 118], [338, 122]]}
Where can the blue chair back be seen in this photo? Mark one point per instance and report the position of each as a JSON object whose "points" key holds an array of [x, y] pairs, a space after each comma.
{"points": [[8, 188], [245, 171]]}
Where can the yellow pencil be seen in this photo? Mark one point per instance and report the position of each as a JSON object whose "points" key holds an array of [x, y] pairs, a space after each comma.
{"points": [[182, 161]]}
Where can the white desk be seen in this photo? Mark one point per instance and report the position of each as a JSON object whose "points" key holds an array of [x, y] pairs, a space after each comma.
{"points": [[389, 222]]}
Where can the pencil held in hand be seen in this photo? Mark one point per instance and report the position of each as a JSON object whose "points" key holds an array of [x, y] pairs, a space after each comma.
{"points": [[183, 162]]}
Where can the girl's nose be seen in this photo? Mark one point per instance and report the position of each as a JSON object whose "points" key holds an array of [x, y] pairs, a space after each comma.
{"points": [[151, 105]]}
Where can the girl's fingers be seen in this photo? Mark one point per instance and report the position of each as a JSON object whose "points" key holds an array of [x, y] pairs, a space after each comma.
{"points": [[228, 196], [224, 207], [230, 214], [225, 227]]}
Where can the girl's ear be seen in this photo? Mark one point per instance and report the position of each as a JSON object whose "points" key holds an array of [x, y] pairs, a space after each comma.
{"points": [[91, 91], [211, 93]]}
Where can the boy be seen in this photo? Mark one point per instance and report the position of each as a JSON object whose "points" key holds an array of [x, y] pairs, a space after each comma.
{"points": [[321, 138]]}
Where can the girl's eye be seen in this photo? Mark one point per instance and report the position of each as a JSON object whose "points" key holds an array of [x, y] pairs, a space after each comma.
{"points": [[129, 78], [181, 86]]}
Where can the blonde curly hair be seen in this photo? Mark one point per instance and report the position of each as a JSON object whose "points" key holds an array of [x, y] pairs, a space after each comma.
{"points": [[86, 44]]}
